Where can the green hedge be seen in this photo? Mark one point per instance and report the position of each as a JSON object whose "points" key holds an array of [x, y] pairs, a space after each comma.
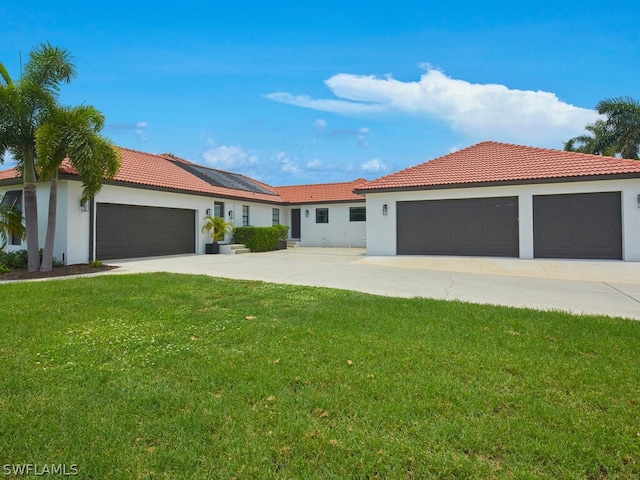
{"points": [[258, 239]]}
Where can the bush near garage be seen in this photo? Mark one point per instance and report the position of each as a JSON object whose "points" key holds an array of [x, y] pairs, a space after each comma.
{"points": [[258, 239], [18, 259]]}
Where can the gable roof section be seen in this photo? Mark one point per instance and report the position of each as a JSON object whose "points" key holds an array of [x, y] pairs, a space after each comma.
{"points": [[169, 172], [493, 162], [322, 193], [10, 174], [172, 173]]}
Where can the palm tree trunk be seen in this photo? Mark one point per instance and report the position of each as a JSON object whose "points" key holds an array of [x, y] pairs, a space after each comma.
{"points": [[47, 255], [31, 210]]}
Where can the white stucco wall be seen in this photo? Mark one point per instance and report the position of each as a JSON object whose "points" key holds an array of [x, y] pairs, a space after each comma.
{"points": [[339, 232], [381, 229], [73, 225], [71, 243], [260, 214]]}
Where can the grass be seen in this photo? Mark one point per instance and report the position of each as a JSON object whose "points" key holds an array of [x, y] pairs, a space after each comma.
{"points": [[170, 376]]}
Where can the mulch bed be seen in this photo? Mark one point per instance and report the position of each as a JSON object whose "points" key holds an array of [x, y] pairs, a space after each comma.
{"points": [[79, 269]]}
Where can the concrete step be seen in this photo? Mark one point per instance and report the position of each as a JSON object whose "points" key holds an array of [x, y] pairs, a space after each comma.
{"points": [[234, 249], [293, 244]]}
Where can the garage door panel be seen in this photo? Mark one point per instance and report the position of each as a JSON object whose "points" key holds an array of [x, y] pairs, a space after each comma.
{"points": [[585, 225], [129, 231], [470, 227]]}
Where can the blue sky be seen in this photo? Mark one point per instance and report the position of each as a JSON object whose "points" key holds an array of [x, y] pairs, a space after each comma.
{"points": [[309, 92]]}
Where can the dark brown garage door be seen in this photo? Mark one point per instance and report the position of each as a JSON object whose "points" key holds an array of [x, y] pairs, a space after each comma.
{"points": [[587, 225], [473, 226], [129, 231]]}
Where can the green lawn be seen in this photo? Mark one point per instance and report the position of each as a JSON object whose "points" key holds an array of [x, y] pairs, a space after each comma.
{"points": [[190, 377]]}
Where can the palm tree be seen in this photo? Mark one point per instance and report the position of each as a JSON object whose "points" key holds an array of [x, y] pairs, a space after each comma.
{"points": [[623, 124], [24, 106], [598, 143], [217, 227], [618, 133], [73, 133]]}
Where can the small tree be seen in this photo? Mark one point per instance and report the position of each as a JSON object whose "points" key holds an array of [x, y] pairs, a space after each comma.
{"points": [[217, 227]]}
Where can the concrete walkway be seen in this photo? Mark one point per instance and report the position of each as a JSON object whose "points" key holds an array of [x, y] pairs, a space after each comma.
{"points": [[597, 287]]}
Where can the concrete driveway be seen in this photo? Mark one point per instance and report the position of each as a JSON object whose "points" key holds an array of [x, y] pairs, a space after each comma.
{"points": [[596, 287]]}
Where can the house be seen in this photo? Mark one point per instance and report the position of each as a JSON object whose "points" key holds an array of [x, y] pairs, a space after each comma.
{"points": [[330, 214], [491, 199], [502, 200], [155, 206]]}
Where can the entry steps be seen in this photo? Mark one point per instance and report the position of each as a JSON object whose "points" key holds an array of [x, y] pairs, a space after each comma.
{"points": [[233, 249]]}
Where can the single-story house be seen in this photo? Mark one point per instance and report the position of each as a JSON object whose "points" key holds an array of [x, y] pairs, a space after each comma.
{"points": [[155, 205], [502, 200], [491, 199]]}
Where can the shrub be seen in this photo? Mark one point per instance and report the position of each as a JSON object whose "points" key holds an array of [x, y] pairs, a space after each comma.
{"points": [[258, 239], [4, 268], [283, 231], [20, 259], [15, 259]]}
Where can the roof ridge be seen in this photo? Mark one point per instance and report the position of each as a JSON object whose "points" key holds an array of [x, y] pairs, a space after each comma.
{"points": [[550, 150], [361, 180]]}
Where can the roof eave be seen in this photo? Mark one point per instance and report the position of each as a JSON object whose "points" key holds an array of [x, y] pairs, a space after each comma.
{"points": [[319, 202], [532, 181]]}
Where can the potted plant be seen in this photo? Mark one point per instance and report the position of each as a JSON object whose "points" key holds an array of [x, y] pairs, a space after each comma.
{"points": [[217, 227], [283, 235]]}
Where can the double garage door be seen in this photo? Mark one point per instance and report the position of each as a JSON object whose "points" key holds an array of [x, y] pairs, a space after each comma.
{"points": [[130, 231], [565, 226]]}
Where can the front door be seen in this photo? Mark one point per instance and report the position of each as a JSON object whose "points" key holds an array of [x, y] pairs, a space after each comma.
{"points": [[295, 223]]}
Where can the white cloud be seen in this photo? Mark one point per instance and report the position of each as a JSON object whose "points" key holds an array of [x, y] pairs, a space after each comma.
{"points": [[374, 165], [228, 158], [8, 161], [359, 134], [320, 124], [137, 128], [287, 164], [485, 111], [315, 164], [361, 137], [140, 126]]}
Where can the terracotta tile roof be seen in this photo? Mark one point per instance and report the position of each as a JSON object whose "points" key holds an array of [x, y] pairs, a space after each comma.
{"points": [[9, 174], [322, 193], [163, 171], [490, 162], [167, 171]]}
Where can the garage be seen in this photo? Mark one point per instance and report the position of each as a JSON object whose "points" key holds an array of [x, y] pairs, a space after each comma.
{"points": [[130, 231], [471, 226], [584, 226]]}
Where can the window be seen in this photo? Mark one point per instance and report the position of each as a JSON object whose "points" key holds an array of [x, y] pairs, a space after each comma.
{"points": [[322, 215], [275, 216], [13, 200], [218, 209], [357, 214], [245, 215]]}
